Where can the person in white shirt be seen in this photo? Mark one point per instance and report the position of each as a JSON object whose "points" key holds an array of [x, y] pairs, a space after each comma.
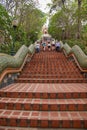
{"points": [[49, 45]]}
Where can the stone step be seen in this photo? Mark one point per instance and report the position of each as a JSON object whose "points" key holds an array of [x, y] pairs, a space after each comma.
{"points": [[43, 104], [51, 76], [49, 66], [45, 91], [27, 128], [44, 95], [54, 72], [43, 119], [51, 80], [54, 64]]}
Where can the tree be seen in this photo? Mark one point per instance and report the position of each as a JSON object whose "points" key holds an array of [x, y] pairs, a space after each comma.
{"points": [[30, 19], [5, 24], [62, 24], [14, 7], [79, 19]]}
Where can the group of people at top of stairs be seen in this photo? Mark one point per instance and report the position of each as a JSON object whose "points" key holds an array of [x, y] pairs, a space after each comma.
{"points": [[47, 45]]}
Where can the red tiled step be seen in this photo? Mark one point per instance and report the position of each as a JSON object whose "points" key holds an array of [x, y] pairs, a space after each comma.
{"points": [[39, 90], [51, 80], [44, 104], [37, 68], [27, 128], [44, 95], [43, 119], [51, 67], [51, 76]]}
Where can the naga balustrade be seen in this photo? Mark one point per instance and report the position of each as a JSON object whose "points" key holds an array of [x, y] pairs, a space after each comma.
{"points": [[78, 55], [11, 66]]}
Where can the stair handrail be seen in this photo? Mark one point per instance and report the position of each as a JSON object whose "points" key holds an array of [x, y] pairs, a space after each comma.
{"points": [[66, 49], [79, 56], [14, 64]]}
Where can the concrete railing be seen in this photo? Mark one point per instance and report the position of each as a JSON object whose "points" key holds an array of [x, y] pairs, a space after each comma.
{"points": [[67, 49], [79, 56], [31, 48], [13, 64]]}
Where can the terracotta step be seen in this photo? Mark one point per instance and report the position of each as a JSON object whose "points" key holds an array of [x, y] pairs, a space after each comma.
{"points": [[44, 95], [43, 104], [58, 101], [54, 70], [51, 63], [51, 76], [54, 64], [45, 91], [43, 119], [51, 80], [27, 128]]}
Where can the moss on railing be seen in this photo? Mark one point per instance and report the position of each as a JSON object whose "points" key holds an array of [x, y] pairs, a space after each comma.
{"points": [[80, 56], [61, 45], [7, 61], [67, 48], [31, 48]]}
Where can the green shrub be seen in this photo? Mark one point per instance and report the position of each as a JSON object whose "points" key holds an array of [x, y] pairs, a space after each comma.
{"points": [[80, 43], [5, 48]]}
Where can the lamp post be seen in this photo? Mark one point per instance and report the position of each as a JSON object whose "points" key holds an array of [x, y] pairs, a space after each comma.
{"points": [[14, 25]]}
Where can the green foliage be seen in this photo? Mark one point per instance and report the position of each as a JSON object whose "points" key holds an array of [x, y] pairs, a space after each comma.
{"points": [[72, 18], [84, 34], [20, 35], [32, 22], [4, 19], [5, 24], [84, 9], [62, 19], [17, 46], [5, 48], [80, 43]]}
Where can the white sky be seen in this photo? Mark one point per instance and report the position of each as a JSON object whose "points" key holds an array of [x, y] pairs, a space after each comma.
{"points": [[43, 5]]}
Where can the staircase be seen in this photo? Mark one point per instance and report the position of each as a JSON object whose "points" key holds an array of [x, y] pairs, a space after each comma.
{"points": [[50, 67], [49, 93]]}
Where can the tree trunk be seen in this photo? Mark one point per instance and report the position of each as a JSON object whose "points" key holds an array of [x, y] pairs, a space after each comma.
{"points": [[79, 20]]}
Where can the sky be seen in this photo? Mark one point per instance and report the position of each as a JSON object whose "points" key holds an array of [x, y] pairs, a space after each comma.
{"points": [[43, 5]]}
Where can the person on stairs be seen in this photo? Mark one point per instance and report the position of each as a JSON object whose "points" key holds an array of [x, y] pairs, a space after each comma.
{"points": [[44, 45], [49, 45], [53, 44], [37, 46], [57, 45]]}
